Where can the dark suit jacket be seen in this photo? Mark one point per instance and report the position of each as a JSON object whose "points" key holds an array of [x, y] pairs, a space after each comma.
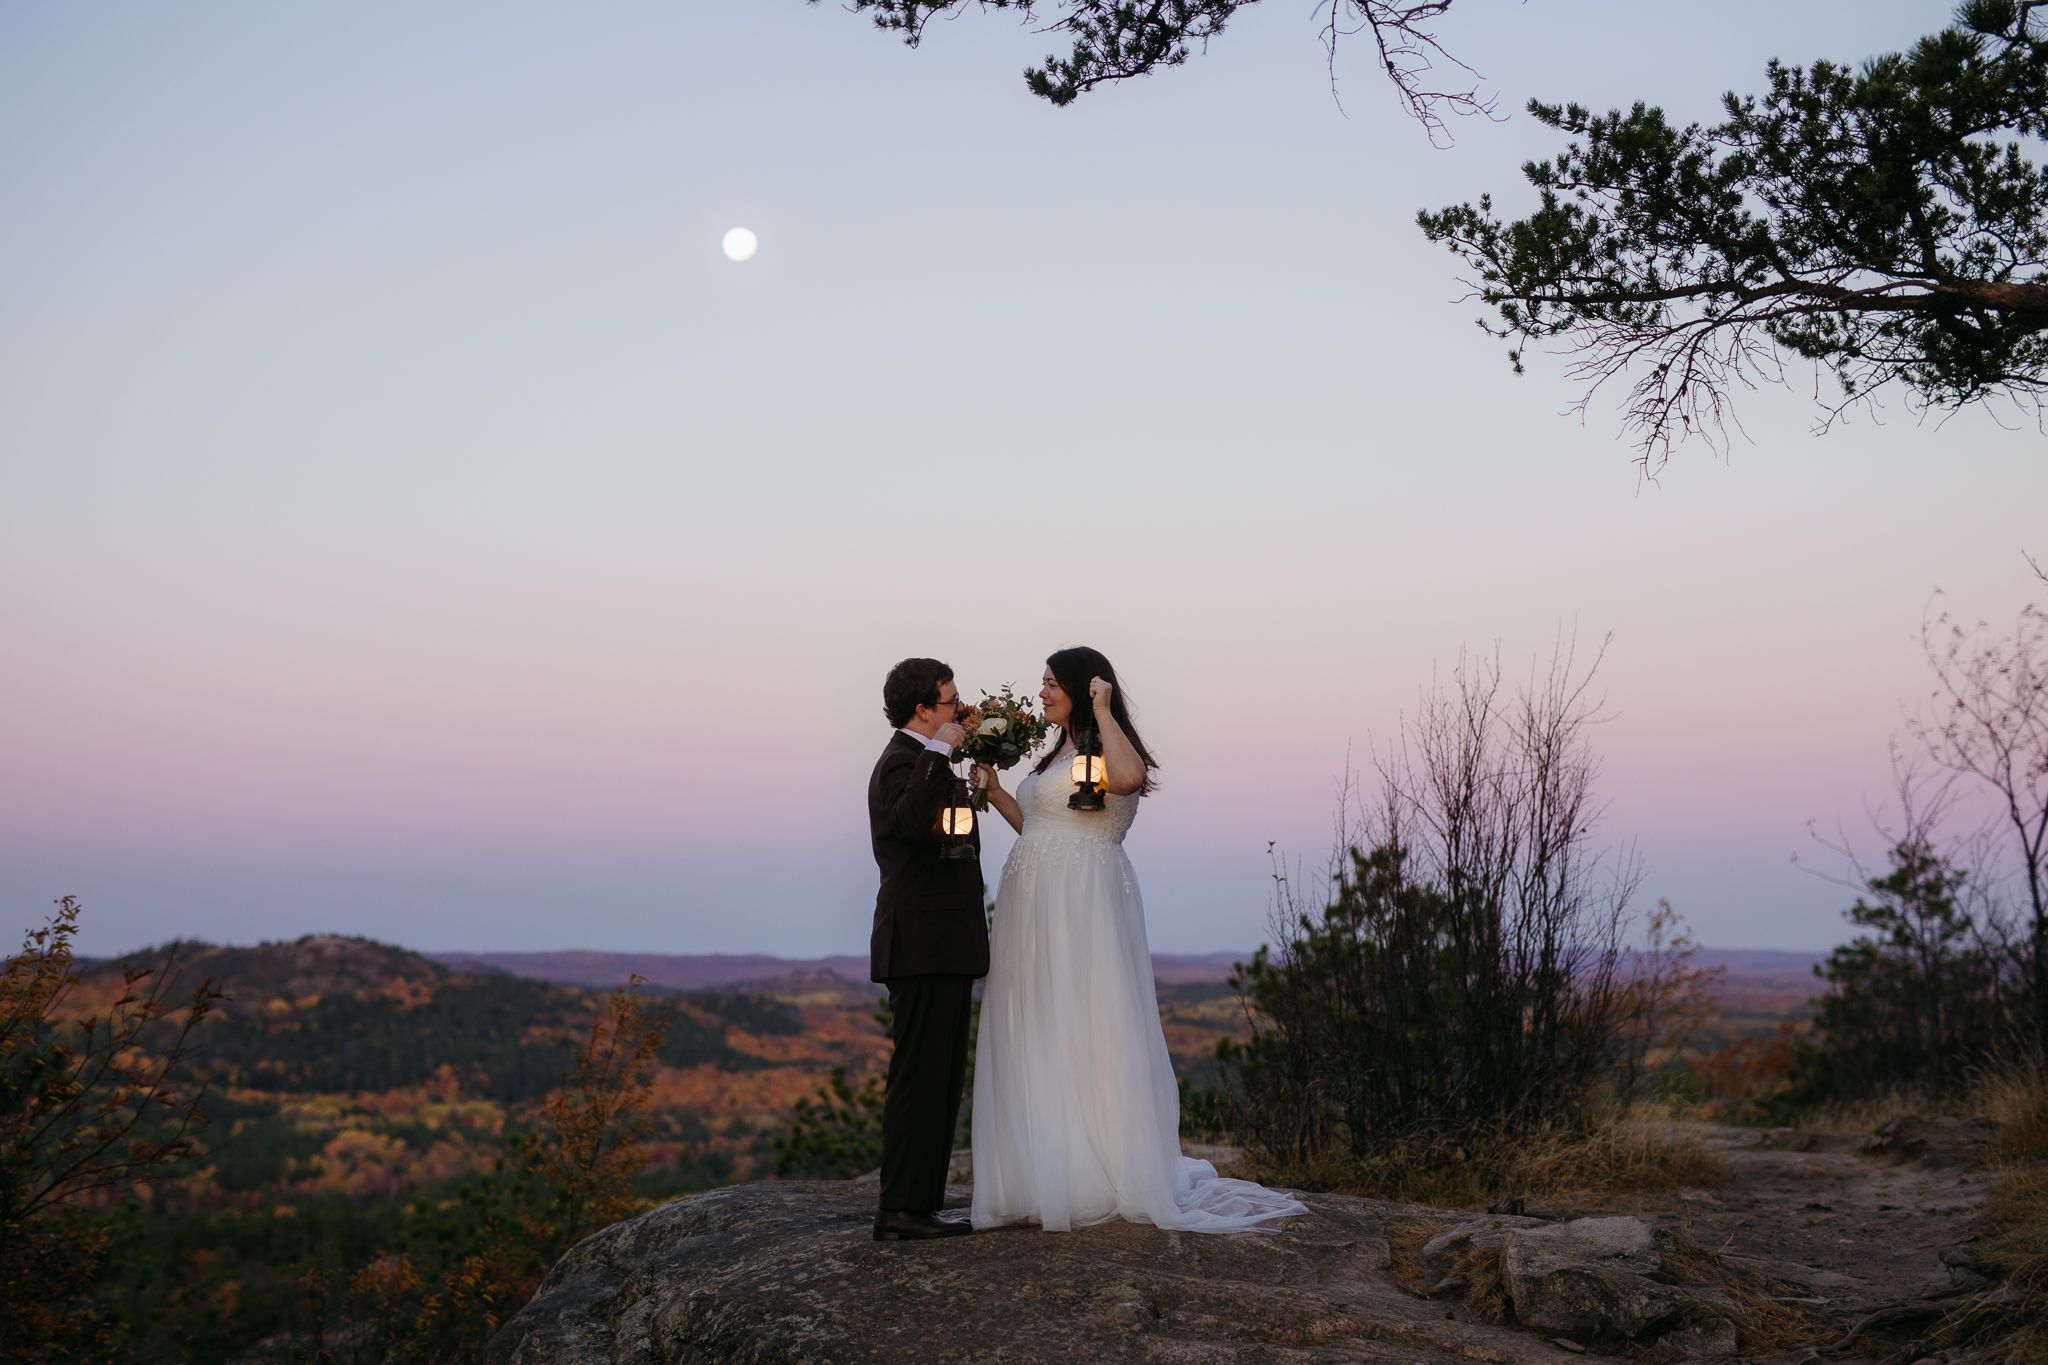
{"points": [[928, 917]]}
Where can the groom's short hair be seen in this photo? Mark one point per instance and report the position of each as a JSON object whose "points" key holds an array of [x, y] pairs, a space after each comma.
{"points": [[911, 684]]}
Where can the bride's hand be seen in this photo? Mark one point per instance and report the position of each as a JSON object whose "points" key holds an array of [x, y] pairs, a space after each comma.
{"points": [[1099, 693], [989, 780]]}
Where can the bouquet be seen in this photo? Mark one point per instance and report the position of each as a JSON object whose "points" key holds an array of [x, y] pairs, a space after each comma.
{"points": [[1001, 731]]}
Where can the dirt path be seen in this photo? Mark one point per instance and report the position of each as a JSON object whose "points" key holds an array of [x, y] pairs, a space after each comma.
{"points": [[1852, 1229]]}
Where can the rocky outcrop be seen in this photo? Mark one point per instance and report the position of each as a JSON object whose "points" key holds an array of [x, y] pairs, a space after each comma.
{"points": [[775, 1273], [1590, 1279]]}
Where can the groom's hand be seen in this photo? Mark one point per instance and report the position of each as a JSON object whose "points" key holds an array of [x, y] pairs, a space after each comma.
{"points": [[950, 733]]}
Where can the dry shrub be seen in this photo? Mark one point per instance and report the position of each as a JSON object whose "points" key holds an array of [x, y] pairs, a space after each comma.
{"points": [[1461, 975]]}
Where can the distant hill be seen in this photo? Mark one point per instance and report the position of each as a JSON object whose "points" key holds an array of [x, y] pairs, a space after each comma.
{"points": [[332, 1014], [1775, 972], [1181, 969], [675, 970], [1743, 961], [1764, 984], [342, 1067], [687, 972]]}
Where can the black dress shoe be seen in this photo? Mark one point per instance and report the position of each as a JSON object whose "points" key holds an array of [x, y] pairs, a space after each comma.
{"points": [[892, 1225]]}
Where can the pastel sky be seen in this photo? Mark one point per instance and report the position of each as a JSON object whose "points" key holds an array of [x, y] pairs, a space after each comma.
{"points": [[413, 526]]}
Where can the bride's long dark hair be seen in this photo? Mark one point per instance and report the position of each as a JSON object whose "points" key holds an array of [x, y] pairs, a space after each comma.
{"points": [[1072, 669]]}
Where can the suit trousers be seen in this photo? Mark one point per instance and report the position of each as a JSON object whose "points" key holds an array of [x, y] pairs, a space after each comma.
{"points": [[927, 1075]]}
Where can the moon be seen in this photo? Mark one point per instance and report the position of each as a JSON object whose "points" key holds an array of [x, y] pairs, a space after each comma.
{"points": [[740, 244]]}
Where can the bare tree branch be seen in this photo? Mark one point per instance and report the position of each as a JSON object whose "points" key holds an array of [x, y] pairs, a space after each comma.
{"points": [[1115, 40], [1866, 218]]}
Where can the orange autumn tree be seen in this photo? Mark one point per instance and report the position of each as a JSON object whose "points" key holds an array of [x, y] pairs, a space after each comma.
{"points": [[1749, 1072], [87, 1107], [596, 1122], [1663, 1003]]}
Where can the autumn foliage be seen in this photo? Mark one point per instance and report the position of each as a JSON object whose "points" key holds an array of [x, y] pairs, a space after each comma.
{"points": [[97, 1103], [477, 1262], [86, 1107], [1748, 1073], [1664, 1002]]}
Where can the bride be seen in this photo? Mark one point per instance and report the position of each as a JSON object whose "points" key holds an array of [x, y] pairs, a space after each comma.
{"points": [[1076, 1114]]}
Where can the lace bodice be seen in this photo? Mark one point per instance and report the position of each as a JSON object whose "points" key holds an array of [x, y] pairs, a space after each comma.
{"points": [[1043, 800]]}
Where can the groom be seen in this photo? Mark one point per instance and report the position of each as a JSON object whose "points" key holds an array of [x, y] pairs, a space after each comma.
{"points": [[929, 945]]}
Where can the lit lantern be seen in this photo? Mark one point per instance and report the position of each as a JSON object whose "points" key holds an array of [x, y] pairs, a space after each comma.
{"points": [[1091, 776], [956, 822]]}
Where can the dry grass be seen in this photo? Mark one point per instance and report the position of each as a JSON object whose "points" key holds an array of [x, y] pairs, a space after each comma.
{"points": [[1407, 1266], [1615, 1157], [1486, 1291], [2010, 1324], [1858, 1118], [2014, 1096], [2016, 1099], [1767, 1326], [2015, 1246], [1484, 1294]]}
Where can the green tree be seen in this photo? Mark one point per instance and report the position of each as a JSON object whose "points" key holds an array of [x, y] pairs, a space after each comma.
{"points": [[1879, 221], [1458, 989], [1917, 1001], [1413, 1020], [837, 1133]]}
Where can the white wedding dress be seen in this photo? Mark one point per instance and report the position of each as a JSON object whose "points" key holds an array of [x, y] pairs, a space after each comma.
{"points": [[1076, 1114]]}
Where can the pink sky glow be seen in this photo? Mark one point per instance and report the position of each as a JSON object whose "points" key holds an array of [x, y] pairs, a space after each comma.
{"points": [[412, 525]]}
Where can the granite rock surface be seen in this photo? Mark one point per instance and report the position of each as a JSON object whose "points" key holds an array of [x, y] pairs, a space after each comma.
{"points": [[770, 1274], [1589, 1279]]}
